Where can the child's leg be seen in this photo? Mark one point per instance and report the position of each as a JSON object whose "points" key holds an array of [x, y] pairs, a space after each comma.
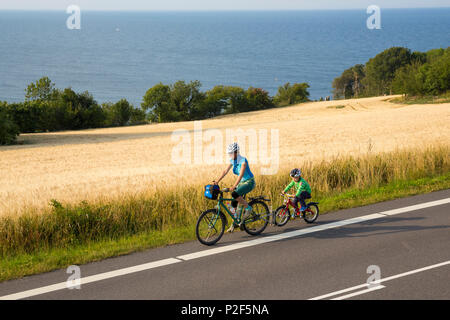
{"points": [[302, 202], [304, 195], [295, 202]]}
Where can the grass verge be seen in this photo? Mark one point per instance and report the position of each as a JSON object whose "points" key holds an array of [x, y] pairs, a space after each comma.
{"points": [[443, 98], [39, 261]]}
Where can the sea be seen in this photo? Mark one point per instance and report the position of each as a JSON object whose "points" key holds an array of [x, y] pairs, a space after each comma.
{"points": [[118, 55]]}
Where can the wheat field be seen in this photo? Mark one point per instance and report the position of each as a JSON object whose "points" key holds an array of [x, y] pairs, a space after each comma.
{"points": [[100, 164]]}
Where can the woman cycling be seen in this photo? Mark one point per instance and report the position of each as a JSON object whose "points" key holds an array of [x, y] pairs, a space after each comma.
{"points": [[244, 183]]}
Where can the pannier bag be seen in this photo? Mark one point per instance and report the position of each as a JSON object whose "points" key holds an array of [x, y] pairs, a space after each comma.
{"points": [[212, 191]]}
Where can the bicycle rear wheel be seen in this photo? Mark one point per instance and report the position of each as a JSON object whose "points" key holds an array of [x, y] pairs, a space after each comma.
{"points": [[258, 220], [282, 216], [210, 227], [311, 214]]}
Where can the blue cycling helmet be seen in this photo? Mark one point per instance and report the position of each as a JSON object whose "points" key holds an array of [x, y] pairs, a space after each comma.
{"points": [[296, 173]]}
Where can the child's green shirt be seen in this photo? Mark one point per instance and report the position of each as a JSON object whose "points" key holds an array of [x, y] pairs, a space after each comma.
{"points": [[300, 186]]}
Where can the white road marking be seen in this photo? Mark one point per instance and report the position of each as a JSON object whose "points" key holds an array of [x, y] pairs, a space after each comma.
{"points": [[297, 233], [415, 207], [358, 293], [404, 274], [204, 253], [277, 237], [98, 277]]}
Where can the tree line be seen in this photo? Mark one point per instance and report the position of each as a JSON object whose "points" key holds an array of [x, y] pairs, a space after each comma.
{"points": [[47, 108], [183, 101], [397, 70]]}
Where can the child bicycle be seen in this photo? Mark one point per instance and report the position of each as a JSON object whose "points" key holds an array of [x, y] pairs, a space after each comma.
{"points": [[211, 223], [283, 214]]}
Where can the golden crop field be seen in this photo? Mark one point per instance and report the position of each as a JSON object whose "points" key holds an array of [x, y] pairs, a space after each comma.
{"points": [[108, 163]]}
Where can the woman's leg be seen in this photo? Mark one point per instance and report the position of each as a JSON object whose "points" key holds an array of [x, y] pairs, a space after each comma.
{"points": [[242, 189], [242, 201], [237, 199]]}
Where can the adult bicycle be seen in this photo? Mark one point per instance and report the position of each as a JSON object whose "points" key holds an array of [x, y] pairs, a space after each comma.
{"points": [[211, 223]]}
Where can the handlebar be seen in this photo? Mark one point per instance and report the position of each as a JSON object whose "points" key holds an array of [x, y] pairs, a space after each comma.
{"points": [[287, 195]]}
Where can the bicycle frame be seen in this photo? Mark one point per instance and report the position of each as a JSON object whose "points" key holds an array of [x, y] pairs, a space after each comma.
{"points": [[221, 205], [254, 222], [289, 202]]}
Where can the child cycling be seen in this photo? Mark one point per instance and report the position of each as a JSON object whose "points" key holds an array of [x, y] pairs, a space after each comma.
{"points": [[302, 187], [244, 183]]}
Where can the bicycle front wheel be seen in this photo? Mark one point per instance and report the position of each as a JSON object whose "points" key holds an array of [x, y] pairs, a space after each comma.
{"points": [[258, 220], [282, 216], [210, 227]]}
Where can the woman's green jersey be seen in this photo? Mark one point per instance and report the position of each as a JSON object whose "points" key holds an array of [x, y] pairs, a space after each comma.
{"points": [[300, 186]]}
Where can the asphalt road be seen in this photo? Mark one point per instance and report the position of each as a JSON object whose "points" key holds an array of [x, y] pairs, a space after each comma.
{"points": [[311, 265]]}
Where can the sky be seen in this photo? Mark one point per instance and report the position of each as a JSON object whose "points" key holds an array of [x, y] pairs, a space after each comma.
{"points": [[215, 4]]}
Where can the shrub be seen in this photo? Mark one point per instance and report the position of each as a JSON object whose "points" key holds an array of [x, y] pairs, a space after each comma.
{"points": [[8, 129], [117, 114], [291, 94], [258, 99]]}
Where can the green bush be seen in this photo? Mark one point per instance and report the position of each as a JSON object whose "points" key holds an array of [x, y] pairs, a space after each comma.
{"points": [[291, 94], [137, 116], [380, 70], [429, 78], [185, 102], [47, 108], [408, 80], [258, 99], [117, 114], [349, 84], [8, 129], [437, 74], [397, 70]]}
